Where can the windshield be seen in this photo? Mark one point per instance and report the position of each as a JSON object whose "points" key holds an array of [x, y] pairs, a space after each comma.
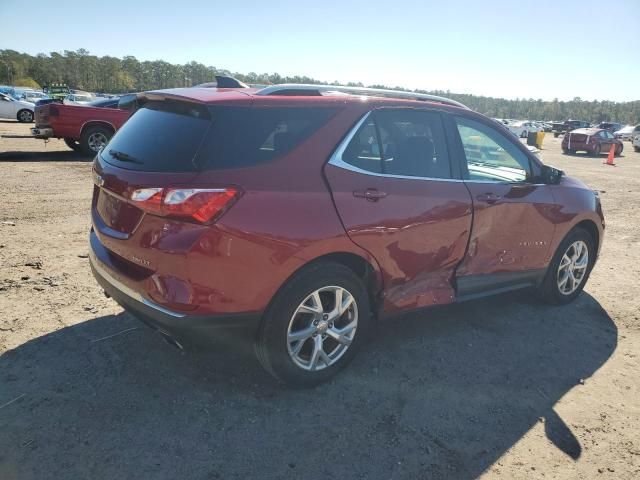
{"points": [[81, 98]]}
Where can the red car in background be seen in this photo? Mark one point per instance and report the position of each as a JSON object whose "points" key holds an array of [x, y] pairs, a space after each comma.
{"points": [[299, 214], [85, 128], [594, 141]]}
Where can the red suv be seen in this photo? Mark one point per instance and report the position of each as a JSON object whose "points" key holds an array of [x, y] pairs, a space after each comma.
{"points": [[296, 215]]}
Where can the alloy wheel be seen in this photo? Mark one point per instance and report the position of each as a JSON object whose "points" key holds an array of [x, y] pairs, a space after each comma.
{"points": [[322, 328], [26, 116], [573, 267], [97, 141]]}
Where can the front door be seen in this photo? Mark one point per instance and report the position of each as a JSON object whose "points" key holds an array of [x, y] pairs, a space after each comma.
{"points": [[392, 185], [513, 217]]}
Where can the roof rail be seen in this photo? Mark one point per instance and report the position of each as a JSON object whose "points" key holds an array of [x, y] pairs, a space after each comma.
{"points": [[301, 89]]}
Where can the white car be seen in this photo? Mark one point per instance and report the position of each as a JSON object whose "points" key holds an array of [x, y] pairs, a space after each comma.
{"points": [[33, 96], [523, 128], [628, 132], [77, 99], [16, 109]]}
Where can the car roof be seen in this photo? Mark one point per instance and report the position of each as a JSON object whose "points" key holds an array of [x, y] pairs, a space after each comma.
{"points": [[241, 95]]}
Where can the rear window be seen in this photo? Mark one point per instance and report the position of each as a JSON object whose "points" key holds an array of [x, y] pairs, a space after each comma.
{"points": [[181, 137], [161, 137]]}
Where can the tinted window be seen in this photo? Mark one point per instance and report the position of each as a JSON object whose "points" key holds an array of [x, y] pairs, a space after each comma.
{"points": [[490, 155], [161, 137], [406, 142], [363, 150], [105, 103], [244, 136]]}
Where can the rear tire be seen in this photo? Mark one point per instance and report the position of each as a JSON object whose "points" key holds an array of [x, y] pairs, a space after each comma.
{"points": [[25, 116], [296, 325], [618, 150], [73, 144], [93, 139], [637, 149], [553, 290]]}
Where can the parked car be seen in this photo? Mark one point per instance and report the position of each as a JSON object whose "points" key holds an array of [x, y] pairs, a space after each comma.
{"points": [[636, 142], [560, 128], [16, 109], [85, 128], [611, 126], [591, 140], [78, 99], [57, 91], [523, 128], [33, 96], [299, 216], [627, 132]]}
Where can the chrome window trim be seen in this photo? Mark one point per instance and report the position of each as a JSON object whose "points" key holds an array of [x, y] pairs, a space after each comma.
{"points": [[337, 161]]}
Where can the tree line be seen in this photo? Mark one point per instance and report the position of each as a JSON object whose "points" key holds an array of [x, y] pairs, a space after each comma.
{"points": [[79, 69]]}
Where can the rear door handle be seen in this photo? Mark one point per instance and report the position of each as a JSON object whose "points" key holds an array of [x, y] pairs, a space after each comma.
{"points": [[370, 194], [489, 197]]}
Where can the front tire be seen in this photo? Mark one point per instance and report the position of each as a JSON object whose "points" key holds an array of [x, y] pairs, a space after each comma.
{"points": [[569, 269], [315, 325], [25, 116]]}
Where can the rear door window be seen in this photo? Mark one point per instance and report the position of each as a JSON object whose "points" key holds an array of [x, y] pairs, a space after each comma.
{"points": [[245, 136], [403, 142]]}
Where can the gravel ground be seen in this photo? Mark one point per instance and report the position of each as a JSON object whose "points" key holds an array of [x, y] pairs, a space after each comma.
{"points": [[494, 388]]}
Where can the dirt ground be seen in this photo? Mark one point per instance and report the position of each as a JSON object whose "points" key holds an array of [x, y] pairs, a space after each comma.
{"points": [[495, 388]]}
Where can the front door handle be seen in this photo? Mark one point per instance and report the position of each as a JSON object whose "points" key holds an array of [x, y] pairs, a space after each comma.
{"points": [[489, 197], [370, 194]]}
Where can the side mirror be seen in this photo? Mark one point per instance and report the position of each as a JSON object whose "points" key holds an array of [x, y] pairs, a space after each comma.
{"points": [[551, 175], [128, 102]]}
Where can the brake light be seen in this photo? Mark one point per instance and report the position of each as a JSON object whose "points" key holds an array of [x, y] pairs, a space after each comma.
{"points": [[201, 204]]}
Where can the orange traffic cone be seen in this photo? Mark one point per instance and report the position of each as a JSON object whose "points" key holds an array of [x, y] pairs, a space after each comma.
{"points": [[612, 152]]}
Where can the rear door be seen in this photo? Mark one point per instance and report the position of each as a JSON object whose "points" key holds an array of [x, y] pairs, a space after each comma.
{"points": [[393, 188], [513, 222]]}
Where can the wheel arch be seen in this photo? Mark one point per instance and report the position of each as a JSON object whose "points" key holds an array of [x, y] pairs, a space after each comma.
{"points": [[592, 229], [365, 269], [97, 123]]}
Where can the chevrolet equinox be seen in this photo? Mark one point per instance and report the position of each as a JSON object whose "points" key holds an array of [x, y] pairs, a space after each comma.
{"points": [[296, 215]]}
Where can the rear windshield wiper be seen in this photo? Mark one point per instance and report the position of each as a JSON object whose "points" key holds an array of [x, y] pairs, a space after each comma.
{"points": [[125, 157]]}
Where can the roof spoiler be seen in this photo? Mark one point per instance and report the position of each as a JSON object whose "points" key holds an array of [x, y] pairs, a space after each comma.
{"points": [[223, 81]]}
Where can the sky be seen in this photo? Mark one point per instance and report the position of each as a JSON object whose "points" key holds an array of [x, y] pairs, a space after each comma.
{"points": [[544, 49]]}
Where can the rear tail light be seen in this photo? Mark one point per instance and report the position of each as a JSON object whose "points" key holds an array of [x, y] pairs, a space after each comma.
{"points": [[203, 205]]}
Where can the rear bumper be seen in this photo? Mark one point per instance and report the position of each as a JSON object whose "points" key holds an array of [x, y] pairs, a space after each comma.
{"points": [[180, 326], [42, 132]]}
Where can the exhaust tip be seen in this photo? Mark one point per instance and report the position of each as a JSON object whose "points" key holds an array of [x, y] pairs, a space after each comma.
{"points": [[171, 341]]}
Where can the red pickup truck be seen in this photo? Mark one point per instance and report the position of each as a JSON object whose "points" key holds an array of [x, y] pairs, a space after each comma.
{"points": [[85, 128]]}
